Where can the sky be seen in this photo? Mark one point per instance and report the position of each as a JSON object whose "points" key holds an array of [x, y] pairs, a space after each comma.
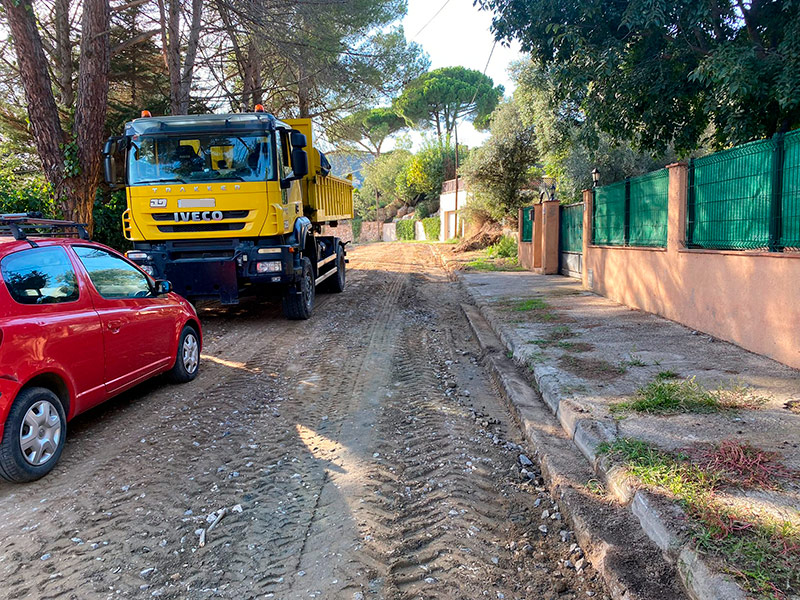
{"points": [[459, 36]]}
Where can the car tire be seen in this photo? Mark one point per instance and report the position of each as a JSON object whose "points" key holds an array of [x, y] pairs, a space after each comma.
{"points": [[298, 304], [187, 357], [336, 283], [33, 437]]}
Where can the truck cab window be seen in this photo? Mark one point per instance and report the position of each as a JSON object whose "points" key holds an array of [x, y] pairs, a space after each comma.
{"points": [[205, 158]]}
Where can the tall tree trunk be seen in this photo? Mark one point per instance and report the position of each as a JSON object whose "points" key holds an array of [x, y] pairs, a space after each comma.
{"points": [[41, 105], [90, 113], [73, 169], [191, 55], [180, 77], [173, 46], [64, 53]]}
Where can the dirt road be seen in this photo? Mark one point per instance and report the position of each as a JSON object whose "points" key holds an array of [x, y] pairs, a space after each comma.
{"points": [[361, 454]]}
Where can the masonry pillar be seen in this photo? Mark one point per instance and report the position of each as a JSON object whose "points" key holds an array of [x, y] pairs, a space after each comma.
{"points": [[538, 225], [676, 206], [588, 207], [551, 220]]}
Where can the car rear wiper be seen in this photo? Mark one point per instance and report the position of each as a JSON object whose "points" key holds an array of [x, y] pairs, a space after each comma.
{"points": [[179, 180]]}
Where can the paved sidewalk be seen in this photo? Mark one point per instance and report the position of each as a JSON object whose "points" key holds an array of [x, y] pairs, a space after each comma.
{"points": [[586, 353]]}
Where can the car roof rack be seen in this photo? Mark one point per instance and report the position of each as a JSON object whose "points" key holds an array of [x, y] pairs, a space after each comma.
{"points": [[21, 224]]}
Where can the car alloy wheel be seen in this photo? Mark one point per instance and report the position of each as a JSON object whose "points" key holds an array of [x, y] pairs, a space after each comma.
{"points": [[190, 353], [40, 433]]}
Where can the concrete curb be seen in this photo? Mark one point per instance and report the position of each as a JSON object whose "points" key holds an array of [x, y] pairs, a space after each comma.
{"points": [[700, 581], [560, 459]]}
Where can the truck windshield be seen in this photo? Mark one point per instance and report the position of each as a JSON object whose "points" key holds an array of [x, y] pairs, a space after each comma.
{"points": [[211, 157]]}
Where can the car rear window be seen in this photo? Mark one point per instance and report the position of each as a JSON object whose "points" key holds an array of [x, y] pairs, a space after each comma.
{"points": [[40, 276]]}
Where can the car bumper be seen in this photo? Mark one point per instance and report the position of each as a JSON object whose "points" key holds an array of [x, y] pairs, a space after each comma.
{"points": [[8, 391]]}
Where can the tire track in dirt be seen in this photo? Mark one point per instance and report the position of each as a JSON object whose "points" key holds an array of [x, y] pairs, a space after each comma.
{"points": [[339, 437]]}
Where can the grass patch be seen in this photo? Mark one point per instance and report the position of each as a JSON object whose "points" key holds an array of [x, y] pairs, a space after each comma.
{"points": [[590, 368], [663, 396], [761, 552], [561, 332], [666, 375], [531, 304], [498, 264], [575, 346]]}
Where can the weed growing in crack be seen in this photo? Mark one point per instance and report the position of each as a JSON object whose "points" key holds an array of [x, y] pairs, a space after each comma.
{"points": [[762, 552], [665, 375]]}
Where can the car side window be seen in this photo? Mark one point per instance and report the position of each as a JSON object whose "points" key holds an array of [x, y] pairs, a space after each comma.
{"points": [[40, 276], [112, 277]]}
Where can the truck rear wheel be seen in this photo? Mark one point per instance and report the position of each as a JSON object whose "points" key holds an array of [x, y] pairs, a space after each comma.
{"points": [[335, 283], [299, 302]]}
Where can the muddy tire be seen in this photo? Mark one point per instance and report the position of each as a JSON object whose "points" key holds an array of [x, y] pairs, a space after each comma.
{"points": [[33, 437], [299, 302]]}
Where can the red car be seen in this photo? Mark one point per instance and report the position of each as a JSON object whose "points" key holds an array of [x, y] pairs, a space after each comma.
{"points": [[79, 323]]}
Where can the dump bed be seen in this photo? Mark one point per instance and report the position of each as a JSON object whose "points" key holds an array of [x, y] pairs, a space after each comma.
{"points": [[325, 197]]}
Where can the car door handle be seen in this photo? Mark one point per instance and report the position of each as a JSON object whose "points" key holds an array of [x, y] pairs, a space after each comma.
{"points": [[114, 325]]}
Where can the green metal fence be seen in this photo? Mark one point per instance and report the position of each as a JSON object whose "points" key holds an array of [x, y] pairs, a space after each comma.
{"points": [[647, 209], [730, 197], [572, 228], [632, 212], [608, 218], [747, 198], [788, 219], [527, 224]]}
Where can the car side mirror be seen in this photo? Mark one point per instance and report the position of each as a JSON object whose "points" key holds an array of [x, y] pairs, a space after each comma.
{"points": [[163, 287]]}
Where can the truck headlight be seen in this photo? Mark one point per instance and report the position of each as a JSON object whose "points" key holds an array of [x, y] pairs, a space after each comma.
{"points": [[268, 266], [135, 255]]}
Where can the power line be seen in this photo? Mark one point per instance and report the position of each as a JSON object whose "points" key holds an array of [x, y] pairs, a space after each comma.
{"points": [[432, 18]]}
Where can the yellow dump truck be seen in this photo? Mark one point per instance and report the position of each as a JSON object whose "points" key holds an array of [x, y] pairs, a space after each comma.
{"points": [[223, 205]]}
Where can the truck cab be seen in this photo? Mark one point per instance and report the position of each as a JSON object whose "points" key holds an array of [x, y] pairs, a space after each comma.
{"points": [[223, 205]]}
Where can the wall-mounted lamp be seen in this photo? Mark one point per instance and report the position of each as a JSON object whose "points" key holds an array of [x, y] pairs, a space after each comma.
{"points": [[595, 177]]}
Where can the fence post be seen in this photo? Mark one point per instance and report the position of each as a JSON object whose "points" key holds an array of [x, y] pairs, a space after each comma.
{"points": [[690, 201], [588, 208], [776, 202], [626, 241], [677, 204]]}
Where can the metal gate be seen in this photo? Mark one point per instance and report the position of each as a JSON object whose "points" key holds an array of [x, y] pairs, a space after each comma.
{"points": [[571, 240]]}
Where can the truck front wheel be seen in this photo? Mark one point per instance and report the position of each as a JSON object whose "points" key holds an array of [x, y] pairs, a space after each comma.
{"points": [[299, 302]]}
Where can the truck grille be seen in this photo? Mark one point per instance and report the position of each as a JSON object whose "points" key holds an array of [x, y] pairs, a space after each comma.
{"points": [[226, 214], [200, 227]]}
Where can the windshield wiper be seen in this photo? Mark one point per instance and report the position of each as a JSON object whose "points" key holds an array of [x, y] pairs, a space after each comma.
{"points": [[179, 180]]}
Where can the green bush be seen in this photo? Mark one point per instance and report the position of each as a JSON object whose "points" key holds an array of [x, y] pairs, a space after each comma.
{"points": [[432, 227], [107, 212], [356, 225], [405, 230], [25, 195], [505, 248]]}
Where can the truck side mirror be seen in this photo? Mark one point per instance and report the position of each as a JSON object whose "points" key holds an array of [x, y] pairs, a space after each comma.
{"points": [[299, 162], [114, 148], [297, 139]]}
